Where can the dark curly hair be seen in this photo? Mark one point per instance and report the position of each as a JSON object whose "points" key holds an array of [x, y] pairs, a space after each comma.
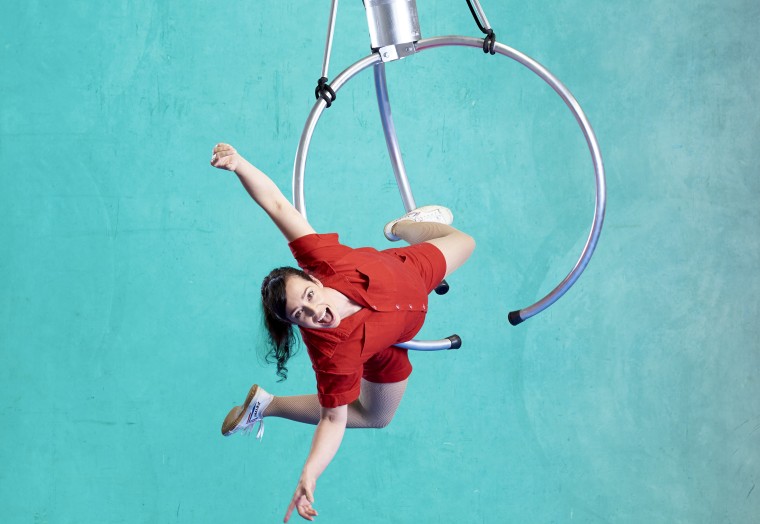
{"points": [[282, 343]]}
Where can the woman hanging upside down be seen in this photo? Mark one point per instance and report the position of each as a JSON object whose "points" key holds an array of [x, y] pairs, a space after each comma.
{"points": [[352, 306]]}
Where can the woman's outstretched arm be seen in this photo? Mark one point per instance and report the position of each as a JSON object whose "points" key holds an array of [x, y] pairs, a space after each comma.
{"points": [[266, 194], [324, 445]]}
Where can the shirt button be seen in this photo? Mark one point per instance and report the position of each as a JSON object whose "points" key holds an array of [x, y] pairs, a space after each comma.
{"points": [[374, 306], [410, 306], [398, 307], [423, 307]]}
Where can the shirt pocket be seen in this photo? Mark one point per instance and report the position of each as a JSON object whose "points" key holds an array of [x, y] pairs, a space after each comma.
{"points": [[380, 278]]}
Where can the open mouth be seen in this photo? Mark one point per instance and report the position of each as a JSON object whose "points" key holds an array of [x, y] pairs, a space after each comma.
{"points": [[326, 318]]}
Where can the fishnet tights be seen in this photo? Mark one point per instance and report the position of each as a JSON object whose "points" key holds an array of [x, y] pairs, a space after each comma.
{"points": [[374, 408]]}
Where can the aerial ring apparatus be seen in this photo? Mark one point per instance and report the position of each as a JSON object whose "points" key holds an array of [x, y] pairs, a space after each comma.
{"points": [[377, 61]]}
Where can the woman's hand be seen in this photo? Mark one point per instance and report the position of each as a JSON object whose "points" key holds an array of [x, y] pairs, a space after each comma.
{"points": [[303, 498], [265, 192], [225, 157], [324, 445]]}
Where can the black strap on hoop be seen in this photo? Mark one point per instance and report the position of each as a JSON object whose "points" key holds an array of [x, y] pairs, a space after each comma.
{"points": [[324, 91], [490, 40]]}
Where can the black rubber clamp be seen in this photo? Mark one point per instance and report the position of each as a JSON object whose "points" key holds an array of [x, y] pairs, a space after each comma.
{"points": [[489, 42], [324, 91]]}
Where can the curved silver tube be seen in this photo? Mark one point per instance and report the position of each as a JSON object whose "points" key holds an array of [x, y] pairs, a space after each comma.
{"points": [[517, 316], [391, 140], [299, 165], [452, 342]]}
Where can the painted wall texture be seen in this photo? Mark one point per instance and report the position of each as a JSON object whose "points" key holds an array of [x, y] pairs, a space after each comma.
{"points": [[130, 269]]}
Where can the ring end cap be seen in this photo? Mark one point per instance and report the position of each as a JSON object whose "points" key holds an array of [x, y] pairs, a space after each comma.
{"points": [[515, 318], [456, 341]]}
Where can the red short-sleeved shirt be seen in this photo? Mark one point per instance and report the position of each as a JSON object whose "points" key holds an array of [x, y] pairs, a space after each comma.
{"points": [[392, 291]]}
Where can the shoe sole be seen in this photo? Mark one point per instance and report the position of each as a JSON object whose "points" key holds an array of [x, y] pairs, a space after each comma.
{"points": [[232, 421]]}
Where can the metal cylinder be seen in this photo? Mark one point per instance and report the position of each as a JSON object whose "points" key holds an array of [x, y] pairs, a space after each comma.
{"points": [[392, 22]]}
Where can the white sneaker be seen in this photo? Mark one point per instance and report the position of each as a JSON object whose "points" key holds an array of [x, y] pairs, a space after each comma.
{"points": [[439, 214], [243, 418]]}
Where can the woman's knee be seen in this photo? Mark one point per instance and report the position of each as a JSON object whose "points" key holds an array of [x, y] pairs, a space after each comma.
{"points": [[456, 249], [468, 244], [380, 420]]}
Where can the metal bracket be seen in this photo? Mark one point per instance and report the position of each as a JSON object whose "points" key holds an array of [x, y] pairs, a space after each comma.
{"points": [[393, 52]]}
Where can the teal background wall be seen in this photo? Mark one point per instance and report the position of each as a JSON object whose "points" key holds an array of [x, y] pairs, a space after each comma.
{"points": [[129, 268]]}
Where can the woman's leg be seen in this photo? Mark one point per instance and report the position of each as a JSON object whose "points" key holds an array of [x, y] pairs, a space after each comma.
{"points": [[376, 404], [455, 245], [374, 408]]}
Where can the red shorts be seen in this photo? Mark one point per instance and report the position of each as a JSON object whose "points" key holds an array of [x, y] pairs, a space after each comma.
{"points": [[392, 364]]}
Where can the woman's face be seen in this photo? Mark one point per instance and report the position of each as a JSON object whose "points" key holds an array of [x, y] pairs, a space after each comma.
{"points": [[308, 305]]}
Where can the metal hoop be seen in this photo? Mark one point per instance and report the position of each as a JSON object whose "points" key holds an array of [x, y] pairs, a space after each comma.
{"points": [[517, 316]]}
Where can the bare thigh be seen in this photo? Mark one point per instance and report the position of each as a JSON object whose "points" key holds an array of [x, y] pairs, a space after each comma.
{"points": [[456, 248]]}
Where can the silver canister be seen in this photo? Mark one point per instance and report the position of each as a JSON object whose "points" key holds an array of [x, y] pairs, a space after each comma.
{"points": [[392, 22]]}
